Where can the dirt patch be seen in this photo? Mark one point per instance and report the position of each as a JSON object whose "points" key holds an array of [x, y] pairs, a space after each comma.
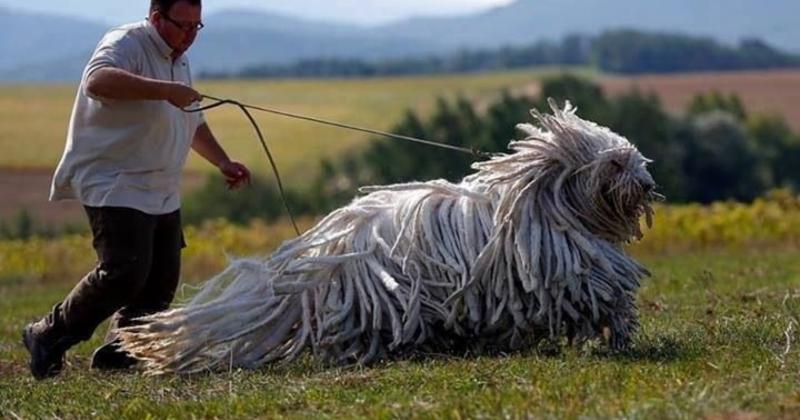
{"points": [[774, 92], [12, 369], [29, 189]]}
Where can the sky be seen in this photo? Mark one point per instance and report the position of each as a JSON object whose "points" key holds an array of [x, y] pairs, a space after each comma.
{"points": [[364, 12]]}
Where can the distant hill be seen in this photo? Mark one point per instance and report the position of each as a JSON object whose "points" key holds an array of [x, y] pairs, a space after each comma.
{"points": [[233, 39], [55, 48], [246, 18], [37, 43], [242, 37], [616, 51], [774, 21]]}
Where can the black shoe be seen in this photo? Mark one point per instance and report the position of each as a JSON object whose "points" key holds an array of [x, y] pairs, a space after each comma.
{"points": [[47, 360], [110, 357]]}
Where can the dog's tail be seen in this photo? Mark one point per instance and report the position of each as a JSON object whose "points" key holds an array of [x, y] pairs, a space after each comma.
{"points": [[236, 320]]}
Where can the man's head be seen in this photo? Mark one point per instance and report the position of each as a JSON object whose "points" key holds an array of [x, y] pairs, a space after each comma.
{"points": [[177, 21]]}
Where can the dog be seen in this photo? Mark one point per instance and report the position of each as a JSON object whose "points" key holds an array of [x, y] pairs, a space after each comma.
{"points": [[530, 246]]}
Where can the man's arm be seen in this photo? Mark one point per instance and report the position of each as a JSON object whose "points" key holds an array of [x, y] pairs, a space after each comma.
{"points": [[206, 145], [115, 83]]}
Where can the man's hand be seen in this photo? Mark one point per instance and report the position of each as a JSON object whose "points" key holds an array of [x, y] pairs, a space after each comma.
{"points": [[236, 174], [181, 95]]}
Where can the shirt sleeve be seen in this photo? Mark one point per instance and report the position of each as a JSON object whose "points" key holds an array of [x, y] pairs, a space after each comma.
{"points": [[117, 50]]}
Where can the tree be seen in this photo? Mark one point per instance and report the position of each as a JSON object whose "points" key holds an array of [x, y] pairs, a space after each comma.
{"points": [[721, 163], [777, 147], [717, 101], [588, 97]]}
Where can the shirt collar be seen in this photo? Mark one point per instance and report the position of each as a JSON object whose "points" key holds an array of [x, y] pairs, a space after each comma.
{"points": [[163, 48]]}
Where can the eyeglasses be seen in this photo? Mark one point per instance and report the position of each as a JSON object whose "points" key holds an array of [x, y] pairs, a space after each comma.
{"points": [[184, 26]]}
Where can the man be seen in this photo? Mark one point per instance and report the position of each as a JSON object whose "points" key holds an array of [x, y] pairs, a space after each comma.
{"points": [[127, 143]]}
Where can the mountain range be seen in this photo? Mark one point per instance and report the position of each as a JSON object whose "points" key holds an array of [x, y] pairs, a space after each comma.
{"points": [[39, 47]]}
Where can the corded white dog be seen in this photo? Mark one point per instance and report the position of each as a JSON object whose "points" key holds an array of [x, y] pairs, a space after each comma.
{"points": [[528, 247]]}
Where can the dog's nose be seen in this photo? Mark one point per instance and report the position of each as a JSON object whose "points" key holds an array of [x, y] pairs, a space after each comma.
{"points": [[648, 186]]}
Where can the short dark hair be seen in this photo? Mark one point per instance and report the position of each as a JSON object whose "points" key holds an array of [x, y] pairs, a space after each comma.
{"points": [[164, 6]]}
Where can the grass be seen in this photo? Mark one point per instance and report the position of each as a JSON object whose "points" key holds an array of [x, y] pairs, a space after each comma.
{"points": [[718, 338], [34, 119]]}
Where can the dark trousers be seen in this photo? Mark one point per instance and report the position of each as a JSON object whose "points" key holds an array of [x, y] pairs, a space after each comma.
{"points": [[139, 257]]}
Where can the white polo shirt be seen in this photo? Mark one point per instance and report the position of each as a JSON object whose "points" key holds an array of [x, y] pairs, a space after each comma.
{"points": [[128, 153]]}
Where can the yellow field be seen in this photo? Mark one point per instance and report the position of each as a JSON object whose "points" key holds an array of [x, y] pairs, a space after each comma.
{"points": [[34, 119]]}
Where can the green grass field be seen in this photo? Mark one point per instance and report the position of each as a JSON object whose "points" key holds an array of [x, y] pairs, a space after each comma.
{"points": [[717, 340], [34, 119], [720, 319]]}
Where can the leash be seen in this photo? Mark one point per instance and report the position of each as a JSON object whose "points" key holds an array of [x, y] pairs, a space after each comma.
{"points": [[264, 146], [245, 108]]}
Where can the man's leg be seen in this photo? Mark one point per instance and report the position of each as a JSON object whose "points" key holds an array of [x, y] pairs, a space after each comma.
{"points": [[123, 241], [155, 296]]}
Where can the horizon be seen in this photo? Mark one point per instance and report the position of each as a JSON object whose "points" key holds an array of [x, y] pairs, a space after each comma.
{"points": [[353, 12]]}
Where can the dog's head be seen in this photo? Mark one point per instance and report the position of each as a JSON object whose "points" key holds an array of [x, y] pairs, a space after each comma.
{"points": [[587, 176]]}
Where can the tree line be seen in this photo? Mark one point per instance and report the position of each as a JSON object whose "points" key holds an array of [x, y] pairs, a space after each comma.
{"points": [[617, 51]]}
